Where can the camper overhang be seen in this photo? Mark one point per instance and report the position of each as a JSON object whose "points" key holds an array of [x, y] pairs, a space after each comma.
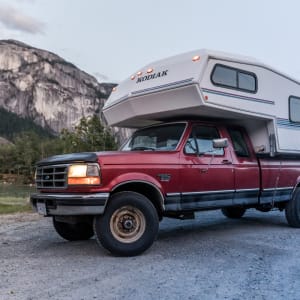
{"points": [[182, 87]]}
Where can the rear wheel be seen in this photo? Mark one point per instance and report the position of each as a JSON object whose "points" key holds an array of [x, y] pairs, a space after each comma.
{"points": [[129, 225], [73, 232], [292, 210], [233, 212]]}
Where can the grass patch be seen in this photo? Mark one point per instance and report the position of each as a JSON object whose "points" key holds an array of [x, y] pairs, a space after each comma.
{"points": [[9, 209], [14, 198]]}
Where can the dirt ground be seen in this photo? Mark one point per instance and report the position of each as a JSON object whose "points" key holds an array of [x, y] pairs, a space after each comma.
{"points": [[211, 257]]}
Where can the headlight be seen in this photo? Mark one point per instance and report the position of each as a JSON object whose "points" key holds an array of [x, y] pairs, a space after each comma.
{"points": [[79, 174]]}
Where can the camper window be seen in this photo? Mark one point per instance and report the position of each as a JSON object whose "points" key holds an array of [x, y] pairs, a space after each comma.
{"points": [[234, 78], [294, 109], [246, 81]]}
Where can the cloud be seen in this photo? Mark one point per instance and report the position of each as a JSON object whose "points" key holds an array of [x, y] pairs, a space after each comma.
{"points": [[14, 19]]}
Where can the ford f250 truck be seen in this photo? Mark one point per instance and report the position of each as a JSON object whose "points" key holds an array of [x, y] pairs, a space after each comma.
{"points": [[214, 131], [167, 170]]}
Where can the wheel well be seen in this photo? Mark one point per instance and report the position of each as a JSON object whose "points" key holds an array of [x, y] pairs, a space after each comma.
{"points": [[148, 190]]}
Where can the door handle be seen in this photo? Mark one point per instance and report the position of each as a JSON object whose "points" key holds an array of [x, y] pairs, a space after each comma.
{"points": [[226, 162]]}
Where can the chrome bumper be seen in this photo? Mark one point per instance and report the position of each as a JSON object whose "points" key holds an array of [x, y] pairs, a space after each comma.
{"points": [[69, 204]]}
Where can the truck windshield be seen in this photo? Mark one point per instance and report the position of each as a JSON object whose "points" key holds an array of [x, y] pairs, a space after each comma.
{"points": [[156, 138]]}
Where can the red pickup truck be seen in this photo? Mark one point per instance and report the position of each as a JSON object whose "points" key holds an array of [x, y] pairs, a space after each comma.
{"points": [[169, 170]]}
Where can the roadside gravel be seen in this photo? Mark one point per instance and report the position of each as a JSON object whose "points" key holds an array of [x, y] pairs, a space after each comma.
{"points": [[211, 257]]}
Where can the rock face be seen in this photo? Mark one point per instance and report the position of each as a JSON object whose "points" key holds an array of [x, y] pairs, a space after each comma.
{"points": [[4, 141], [52, 92]]}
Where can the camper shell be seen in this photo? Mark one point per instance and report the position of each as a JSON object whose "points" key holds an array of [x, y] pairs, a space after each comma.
{"points": [[208, 84]]}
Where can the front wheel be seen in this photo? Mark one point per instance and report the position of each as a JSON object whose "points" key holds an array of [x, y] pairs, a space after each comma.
{"points": [[129, 225], [233, 212], [292, 210], [73, 232]]}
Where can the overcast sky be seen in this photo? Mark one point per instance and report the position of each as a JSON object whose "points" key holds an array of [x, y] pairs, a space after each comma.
{"points": [[114, 38]]}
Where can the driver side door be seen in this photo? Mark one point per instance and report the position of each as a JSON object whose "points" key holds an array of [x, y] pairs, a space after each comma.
{"points": [[207, 173]]}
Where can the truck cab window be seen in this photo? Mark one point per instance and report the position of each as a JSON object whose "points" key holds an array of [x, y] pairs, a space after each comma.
{"points": [[156, 138], [201, 139], [239, 143]]}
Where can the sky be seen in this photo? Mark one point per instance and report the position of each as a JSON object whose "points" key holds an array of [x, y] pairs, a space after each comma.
{"points": [[111, 39]]}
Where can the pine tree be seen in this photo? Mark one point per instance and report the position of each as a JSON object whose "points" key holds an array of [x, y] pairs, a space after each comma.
{"points": [[89, 135]]}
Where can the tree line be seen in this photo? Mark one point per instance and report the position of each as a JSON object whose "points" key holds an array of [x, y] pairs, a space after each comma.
{"points": [[29, 147], [11, 123]]}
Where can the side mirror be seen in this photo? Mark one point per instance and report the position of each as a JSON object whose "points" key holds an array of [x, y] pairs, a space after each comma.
{"points": [[220, 143]]}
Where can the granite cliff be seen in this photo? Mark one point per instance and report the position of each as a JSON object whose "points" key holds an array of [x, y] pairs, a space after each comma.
{"points": [[42, 86]]}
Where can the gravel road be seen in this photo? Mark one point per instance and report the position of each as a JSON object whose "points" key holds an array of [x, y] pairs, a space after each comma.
{"points": [[211, 257]]}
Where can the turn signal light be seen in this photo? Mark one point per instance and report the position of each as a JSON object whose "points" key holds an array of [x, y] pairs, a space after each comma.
{"points": [[84, 180]]}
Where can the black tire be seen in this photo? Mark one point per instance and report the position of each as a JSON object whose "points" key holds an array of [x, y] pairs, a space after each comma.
{"points": [[233, 212], [292, 210], [129, 225], [73, 232]]}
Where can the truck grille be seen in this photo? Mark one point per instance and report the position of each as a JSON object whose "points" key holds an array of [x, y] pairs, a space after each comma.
{"points": [[51, 176]]}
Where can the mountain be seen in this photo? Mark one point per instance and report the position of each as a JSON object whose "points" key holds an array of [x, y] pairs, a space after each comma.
{"points": [[40, 86]]}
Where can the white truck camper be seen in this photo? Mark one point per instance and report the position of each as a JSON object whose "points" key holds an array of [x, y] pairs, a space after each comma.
{"points": [[212, 85]]}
